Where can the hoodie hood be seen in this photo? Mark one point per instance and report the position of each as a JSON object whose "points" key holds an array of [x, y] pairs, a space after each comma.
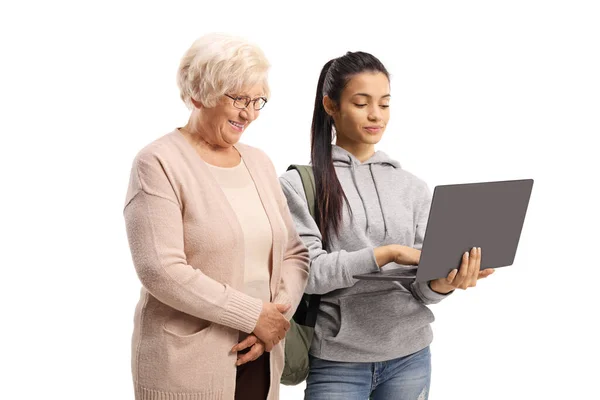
{"points": [[343, 158]]}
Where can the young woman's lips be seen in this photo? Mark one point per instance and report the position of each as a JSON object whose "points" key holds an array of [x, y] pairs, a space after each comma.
{"points": [[373, 129]]}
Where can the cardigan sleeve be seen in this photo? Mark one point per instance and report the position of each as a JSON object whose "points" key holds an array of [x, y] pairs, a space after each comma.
{"points": [[154, 224], [295, 264]]}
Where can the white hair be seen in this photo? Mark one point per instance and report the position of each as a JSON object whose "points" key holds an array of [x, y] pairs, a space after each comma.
{"points": [[218, 63]]}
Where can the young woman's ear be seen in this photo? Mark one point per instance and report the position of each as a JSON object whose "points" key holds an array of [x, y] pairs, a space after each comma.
{"points": [[329, 105]]}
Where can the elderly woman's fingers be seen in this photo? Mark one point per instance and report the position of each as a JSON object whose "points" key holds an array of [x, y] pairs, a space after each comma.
{"points": [[244, 344], [256, 351]]}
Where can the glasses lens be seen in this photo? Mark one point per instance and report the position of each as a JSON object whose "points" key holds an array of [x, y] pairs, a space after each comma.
{"points": [[241, 102], [259, 103]]}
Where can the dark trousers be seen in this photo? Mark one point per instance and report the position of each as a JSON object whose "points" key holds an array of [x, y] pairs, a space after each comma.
{"points": [[252, 380]]}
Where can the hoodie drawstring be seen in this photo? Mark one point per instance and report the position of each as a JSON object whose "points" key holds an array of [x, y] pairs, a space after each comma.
{"points": [[362, 200], [385, 228], [353, 173]]}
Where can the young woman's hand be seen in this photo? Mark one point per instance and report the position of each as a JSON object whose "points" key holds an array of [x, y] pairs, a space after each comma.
{"points": [[465, 276], [397, 253]]}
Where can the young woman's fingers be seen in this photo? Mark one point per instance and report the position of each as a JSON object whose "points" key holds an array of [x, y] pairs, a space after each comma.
{"points": [[472, 268], [476, 267], [451, 276], [485, 273], [462, 271]]}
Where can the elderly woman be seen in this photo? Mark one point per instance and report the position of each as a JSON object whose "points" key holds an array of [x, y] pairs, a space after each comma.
{"points": [[212, 240]]}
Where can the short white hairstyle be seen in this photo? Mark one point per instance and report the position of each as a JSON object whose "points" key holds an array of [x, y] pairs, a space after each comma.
{"points": [[219, 63]]}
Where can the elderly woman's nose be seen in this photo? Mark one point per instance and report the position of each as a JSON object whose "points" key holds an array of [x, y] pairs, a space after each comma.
{"points": [[249, 114]]}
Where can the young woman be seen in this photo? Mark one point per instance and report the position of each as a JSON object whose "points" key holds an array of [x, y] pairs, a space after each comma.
{"points": [[372, 337]]}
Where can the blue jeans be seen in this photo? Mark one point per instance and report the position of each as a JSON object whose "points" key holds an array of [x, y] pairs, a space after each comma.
{"points": [[404, 378]]}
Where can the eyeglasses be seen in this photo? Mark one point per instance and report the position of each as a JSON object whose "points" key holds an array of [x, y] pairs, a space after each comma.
{"points": [[241, 102]]}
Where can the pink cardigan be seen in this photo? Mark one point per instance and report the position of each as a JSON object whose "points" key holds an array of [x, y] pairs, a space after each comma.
{"points": [[188, 250]]}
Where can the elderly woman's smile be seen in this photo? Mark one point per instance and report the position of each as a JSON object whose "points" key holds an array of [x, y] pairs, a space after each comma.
{"points": [[237, 126]]}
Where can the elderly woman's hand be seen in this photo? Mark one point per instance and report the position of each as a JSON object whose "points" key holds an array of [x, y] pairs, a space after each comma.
{"points": [[272, 325], [256, 350], [466, 276]]}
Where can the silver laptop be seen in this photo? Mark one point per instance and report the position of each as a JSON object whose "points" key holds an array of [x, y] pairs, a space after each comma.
{"points": [[489, 215]]}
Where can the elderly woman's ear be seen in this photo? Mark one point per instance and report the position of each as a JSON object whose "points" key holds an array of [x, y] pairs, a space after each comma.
{"points": [[196, 103]]}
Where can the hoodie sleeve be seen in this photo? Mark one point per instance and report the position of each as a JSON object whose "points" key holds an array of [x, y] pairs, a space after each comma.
{"points": [[328, 271], [421, 290]]}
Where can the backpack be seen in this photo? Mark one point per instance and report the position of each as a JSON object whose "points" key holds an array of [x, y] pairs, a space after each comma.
{"points": [[302, 324]]}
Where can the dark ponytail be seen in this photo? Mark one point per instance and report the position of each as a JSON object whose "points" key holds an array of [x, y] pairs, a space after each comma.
{"points": [[333, 79]]}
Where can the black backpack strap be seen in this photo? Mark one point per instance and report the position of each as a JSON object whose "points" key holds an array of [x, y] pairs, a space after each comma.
{"points": [[309, 306]]}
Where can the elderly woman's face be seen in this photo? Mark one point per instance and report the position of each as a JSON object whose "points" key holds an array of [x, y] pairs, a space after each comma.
{"points": [[225, 122]]}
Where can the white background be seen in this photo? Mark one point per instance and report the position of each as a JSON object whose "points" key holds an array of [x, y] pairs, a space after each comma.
{"points": [[482, 90]]}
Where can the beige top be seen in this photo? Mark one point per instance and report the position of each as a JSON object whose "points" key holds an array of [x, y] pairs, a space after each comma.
{"points": [[239, 189], [187, 247]]}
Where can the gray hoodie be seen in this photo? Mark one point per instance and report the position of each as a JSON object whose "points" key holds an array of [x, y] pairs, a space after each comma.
{"points": [[359, 320]]}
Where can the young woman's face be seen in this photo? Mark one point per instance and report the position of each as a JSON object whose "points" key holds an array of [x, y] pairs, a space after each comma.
{"points": [[363, 111]]}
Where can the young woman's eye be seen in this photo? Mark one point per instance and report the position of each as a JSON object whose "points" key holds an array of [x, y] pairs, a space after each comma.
{"points": [[360, 105], [385, 106]]}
